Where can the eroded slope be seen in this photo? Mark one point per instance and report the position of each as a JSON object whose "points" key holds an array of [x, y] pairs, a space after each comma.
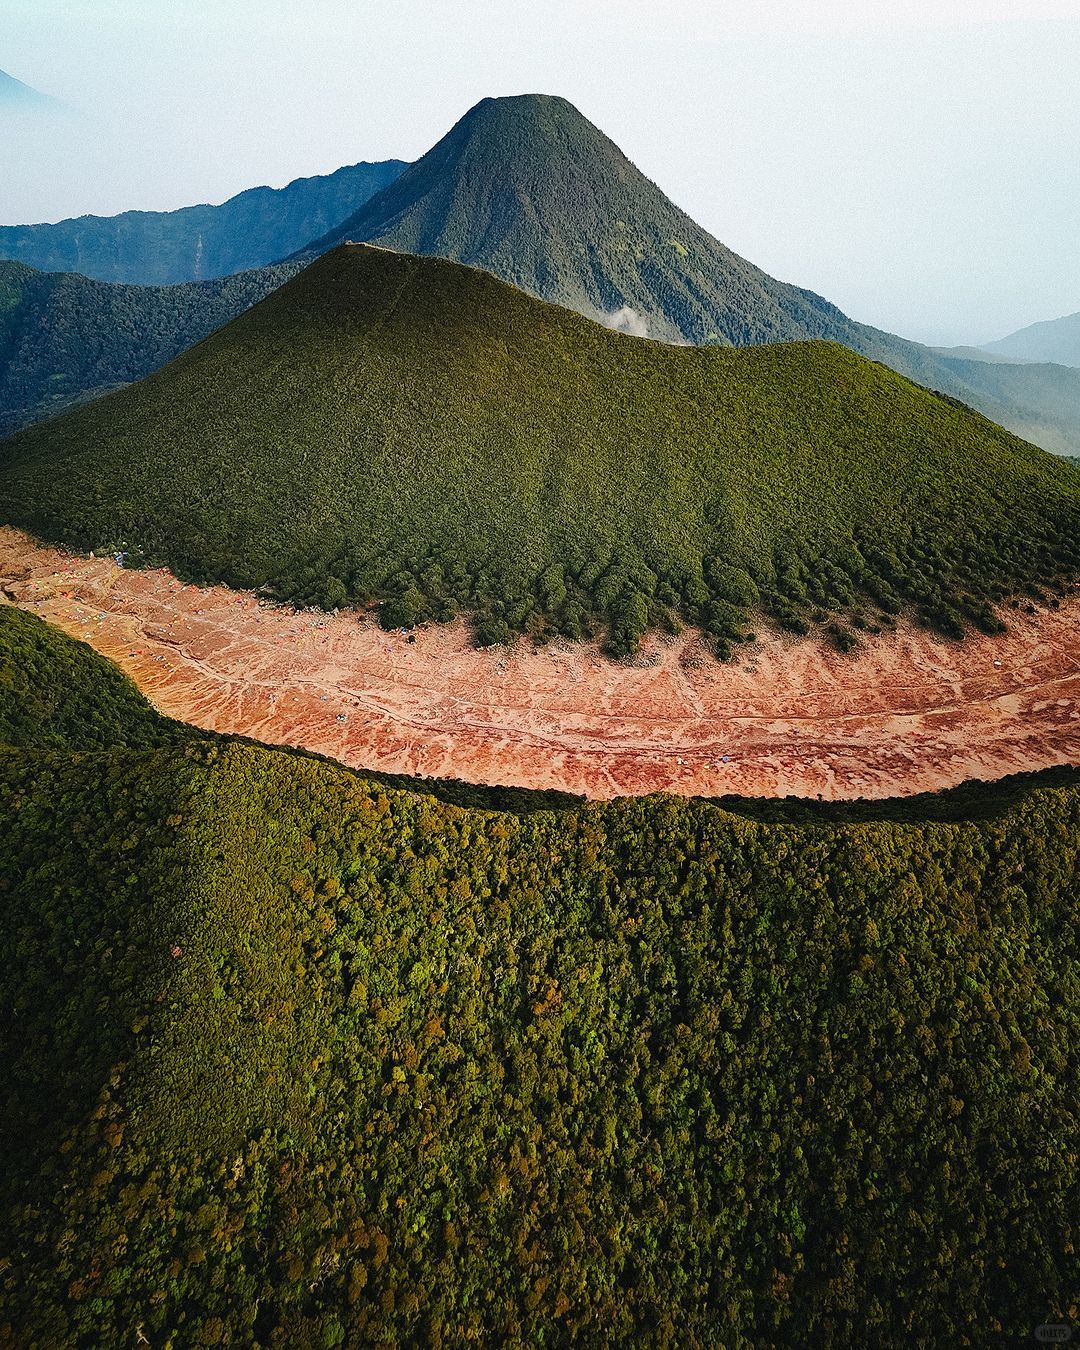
{"points": [[907, 713]]}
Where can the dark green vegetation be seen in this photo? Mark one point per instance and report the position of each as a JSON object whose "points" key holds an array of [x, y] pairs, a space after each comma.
{"points": [[527, 188], [1055, 340], [64, 339], [292, 1058], [160, 248], [415, 430], [58, 693]]}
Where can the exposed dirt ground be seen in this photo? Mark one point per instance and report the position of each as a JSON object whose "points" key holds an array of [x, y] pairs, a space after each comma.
{"points": [[907, 713]]}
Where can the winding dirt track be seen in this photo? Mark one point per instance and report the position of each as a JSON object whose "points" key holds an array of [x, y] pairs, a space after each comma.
{"points": [[907, 713]]}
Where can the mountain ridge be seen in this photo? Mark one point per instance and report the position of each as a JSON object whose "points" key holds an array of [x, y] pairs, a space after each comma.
{"points": [[1053, 340], [415, 430], [15, 94], [65, 338], [529, 189], [250, 230], [590, 267]]}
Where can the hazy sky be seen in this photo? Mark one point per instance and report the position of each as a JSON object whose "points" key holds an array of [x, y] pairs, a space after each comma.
{"points": [[914, 161]]}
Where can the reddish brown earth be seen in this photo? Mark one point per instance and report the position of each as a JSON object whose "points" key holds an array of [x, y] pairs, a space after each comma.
{"points": [[907, 713]]}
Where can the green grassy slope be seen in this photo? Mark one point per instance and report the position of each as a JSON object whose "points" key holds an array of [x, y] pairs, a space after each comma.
{"points": [[645, 1071], [161, 248], [65, 339], [529, 189], [410, 428]]}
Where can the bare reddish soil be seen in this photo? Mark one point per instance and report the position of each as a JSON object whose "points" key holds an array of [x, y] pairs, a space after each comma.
{"points": [[908, 712]]}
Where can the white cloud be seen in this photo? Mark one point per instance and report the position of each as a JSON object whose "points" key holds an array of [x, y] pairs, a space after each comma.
{"points": [[625, 320]]}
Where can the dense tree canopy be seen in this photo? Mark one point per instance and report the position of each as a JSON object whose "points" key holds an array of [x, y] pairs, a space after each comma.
{"points": [[65, 339], [58, 692], [294, 1058], [417, 431]]}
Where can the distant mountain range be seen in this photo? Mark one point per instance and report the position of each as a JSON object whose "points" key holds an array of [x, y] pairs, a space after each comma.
{"points": [[14, 95], [82, 326], [1056, 340], [161, 248], [527, 189], [417, 431]]}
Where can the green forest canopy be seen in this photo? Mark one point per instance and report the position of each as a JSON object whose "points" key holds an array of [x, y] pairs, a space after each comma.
{"points": [[65, 339], [56, 692], [293, 1058], [414, 430]]}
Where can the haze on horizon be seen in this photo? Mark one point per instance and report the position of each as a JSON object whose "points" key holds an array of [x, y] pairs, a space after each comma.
{"points": [[915, 166]]}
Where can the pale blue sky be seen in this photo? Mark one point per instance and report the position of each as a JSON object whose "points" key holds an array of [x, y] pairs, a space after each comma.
{"points": [[917, 165]]}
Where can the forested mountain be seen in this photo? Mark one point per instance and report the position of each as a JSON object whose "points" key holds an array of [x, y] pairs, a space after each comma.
{"points": [[408, 428], [527, 188], [1056, 340], [64, 339], [294, 1059], [160, 248]]}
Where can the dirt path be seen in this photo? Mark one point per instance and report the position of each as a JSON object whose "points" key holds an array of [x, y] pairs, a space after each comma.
{"points": [[907, 713]]}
